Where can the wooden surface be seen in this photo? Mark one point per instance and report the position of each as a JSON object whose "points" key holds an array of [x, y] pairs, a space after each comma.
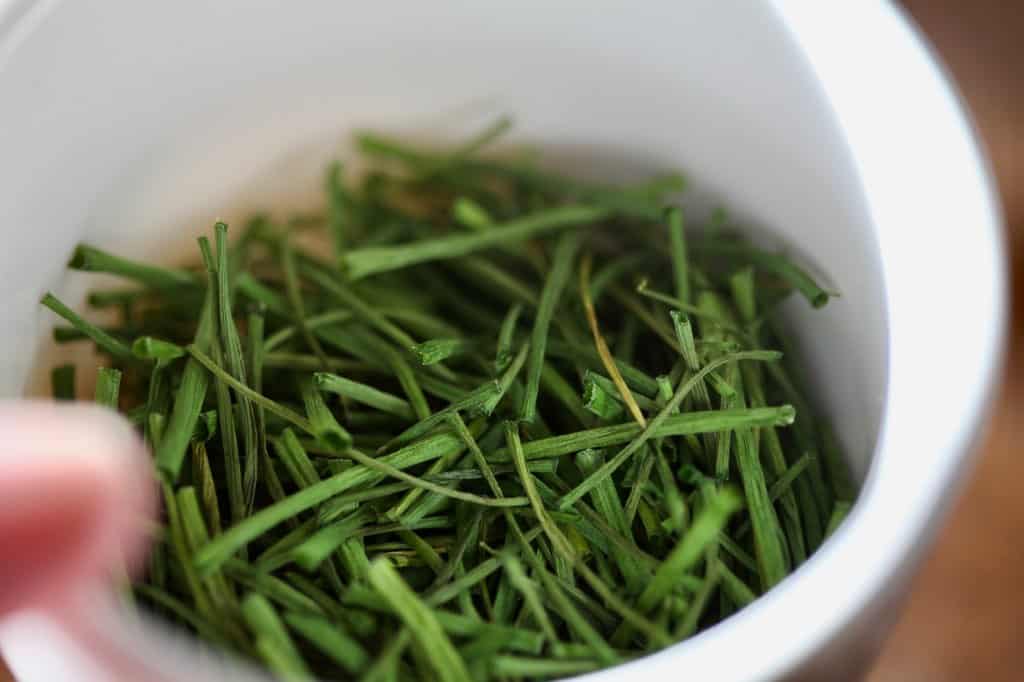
{"points": [[963, 619]]}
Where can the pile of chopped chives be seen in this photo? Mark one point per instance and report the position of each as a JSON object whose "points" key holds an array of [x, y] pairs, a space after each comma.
{"points": [[499, 424]]}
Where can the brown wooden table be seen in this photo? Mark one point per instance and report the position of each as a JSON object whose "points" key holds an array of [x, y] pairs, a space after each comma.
{"points": [[963, 619]]}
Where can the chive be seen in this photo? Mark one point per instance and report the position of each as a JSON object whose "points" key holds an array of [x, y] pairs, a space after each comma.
{"points": [[839, 473], [325, 427], [149, 348], [767, 533], [471, 214], [91, 259], [311, 363], [293, 289], [62, 382], [231, 346], [677, 249], [675, 425], [839, 513], [492, 277], [229, 445], [467, 149], [777, 264], [315, 549], [634, 377], [363, 394], [105, 341], [329, 640], [181, 610], [704, 532], [214, 368], [170, 452], [295, 459], [272, 640], [607, 386], [607, 503], [557, 278], [503, 356], [410, 384], [373, 260], [601, 402], [202, 475], [738, 592], [471, 401], [505, 381], [518, 666], [274, 588], [688, 349], [387, 469], [602, 347], [434, 351], [434, 645]]}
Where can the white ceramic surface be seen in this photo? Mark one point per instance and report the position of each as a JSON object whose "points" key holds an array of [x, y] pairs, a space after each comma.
{"points": [[824, 125]]}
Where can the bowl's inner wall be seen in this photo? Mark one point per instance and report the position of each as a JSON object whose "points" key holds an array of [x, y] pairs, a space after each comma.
{"points": [[134, 126]]}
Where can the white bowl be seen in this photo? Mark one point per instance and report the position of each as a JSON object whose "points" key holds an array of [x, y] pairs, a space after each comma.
{"points": [[827, 125]]}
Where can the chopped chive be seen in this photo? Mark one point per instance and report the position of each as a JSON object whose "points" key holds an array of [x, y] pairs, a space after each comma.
{"points": [[105, 341], [704, 532], [675, 425], [360, 263], [677, 249], [62, 382], [214, 368], [775, 263], [839, 513], [363, 394], [558, 277], [471, 214], [738, 591], [108, 386], [330, 640], [294, 291], [598, 400], [325, 427], [389, 470], [634, 377], [503, 356], [91, 259], [149, 348], [472, 401], [448, 442], [519, 666], [272, 639], [602, 347], [170, 453], [434, 351], [519, 580], [771, 559], [432, 641]]}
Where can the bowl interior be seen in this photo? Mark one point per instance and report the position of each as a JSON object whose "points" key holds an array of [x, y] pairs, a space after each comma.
{"points": [[135, 127]]}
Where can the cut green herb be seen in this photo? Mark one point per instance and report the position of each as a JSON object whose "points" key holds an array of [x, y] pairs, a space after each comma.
{"points": [[451, 440]]}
